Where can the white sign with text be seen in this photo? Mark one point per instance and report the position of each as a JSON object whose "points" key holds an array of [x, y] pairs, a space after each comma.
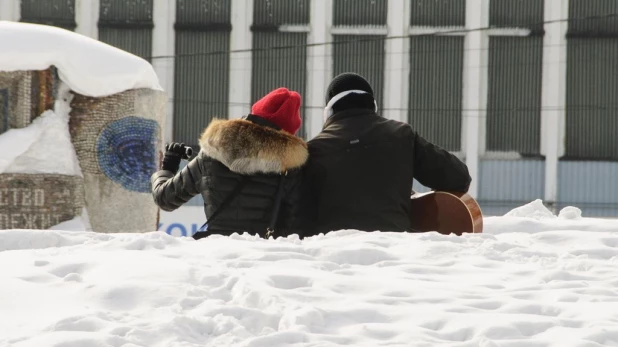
{"points": [[185, 221]]}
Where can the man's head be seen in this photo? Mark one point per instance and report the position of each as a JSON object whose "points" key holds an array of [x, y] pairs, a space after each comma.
{"points": [[281, 107], [349, 90]]}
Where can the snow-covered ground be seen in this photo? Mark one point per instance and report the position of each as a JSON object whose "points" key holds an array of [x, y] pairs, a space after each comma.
{"points": [[531, 279]]}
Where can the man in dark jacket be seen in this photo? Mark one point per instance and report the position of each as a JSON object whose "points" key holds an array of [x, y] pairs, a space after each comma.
{"points": [[242, 167], [361, 166]]}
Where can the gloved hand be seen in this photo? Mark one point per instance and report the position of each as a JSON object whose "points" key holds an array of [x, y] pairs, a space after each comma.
{"points": [[174, 152]]}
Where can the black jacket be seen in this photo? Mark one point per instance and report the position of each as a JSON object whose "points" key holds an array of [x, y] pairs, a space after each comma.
{"points": [[229, 151], [360, 171]]}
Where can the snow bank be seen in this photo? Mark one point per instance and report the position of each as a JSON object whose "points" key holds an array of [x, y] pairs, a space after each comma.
{"points": [[88, 66], [535, 210], [79, 223], [19, 141], [43, 146], [570, 212], [507, 287], [534, 218]]}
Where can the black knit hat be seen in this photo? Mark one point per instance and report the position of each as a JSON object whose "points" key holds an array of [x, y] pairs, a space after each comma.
{"points": [[347, 81]]}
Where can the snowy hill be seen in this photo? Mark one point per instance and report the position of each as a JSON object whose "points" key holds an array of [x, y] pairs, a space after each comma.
{"points": [[529, 280]]}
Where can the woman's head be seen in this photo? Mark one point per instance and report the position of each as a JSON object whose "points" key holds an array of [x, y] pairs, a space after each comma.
{"points": [[280, 107]]}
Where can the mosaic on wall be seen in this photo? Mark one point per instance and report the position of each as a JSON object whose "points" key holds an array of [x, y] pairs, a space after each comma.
{"points": [[117, 140], [24, 95]]}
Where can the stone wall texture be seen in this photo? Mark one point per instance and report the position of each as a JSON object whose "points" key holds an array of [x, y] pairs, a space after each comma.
{"points": [[39, 201]]}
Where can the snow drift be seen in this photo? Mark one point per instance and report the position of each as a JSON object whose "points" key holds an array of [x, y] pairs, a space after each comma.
{"points": [[44, 146], [526, 281]]}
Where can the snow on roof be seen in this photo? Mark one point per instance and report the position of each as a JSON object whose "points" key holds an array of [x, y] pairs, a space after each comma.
{"points": [[87, 66]]}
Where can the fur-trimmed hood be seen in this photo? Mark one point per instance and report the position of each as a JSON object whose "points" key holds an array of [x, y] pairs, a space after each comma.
{"points": [[248, 148]]}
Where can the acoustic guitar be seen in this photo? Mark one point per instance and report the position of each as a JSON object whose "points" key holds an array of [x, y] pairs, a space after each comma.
{"points": [[445, 212]]}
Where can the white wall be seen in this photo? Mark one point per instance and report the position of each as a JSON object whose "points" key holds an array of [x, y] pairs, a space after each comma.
{"points": [[397, 65], [87, 17], [554, 94], [318, 64], [9, 10], [240, 63], [474, 87], [163, 49]]}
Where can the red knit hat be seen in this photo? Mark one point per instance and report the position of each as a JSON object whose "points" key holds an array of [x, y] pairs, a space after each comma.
{"points": [[281, 107]]}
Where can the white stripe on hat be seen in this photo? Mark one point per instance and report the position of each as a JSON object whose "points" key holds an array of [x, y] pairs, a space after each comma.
{"points": [[328, 110]]}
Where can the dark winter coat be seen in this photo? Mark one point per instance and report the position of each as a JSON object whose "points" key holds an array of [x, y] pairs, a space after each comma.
{"points": [[360, 173], [229, 151]]}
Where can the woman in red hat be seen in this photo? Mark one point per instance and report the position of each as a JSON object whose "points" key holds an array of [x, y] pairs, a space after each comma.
{"points": [[247, 171]]}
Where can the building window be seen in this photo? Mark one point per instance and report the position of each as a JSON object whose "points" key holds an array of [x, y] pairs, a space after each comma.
{"points": [[59, 13], [592, 66], [515, 76], [436, 71], [514, 94], [526, 14], [359, 28], [280, 29], [359, 12], [201, 66], [127, 24], [280, 12], [363, 55], [440, 13]]}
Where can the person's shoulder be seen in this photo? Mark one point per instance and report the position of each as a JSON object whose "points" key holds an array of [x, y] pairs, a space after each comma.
{"points": [[398, 128], [396, 123], [317, 140]]}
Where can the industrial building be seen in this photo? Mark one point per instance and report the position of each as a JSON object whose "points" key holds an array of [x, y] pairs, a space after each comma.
{"points": [[524, 91]]}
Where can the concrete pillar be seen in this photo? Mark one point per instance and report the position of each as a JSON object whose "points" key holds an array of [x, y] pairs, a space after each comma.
{"points": [[397, 64], [240, 63], [10, 10], [319, 65], [163, 50], [475, 87], [87, 17], [554, 93]]}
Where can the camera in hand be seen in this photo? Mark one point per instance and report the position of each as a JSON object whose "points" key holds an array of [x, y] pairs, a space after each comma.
{"points": [[187, 153]]}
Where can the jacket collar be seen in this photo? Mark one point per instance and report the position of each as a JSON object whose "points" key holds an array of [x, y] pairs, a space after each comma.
{"points": [[353, 112], [248, 148], [261, 121]]}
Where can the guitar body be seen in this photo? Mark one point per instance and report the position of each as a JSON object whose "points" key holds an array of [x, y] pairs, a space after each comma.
{"points": [[445, 212]]}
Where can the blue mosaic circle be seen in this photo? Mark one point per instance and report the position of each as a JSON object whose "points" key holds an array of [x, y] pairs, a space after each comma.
{"points": [[127, 152]]}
